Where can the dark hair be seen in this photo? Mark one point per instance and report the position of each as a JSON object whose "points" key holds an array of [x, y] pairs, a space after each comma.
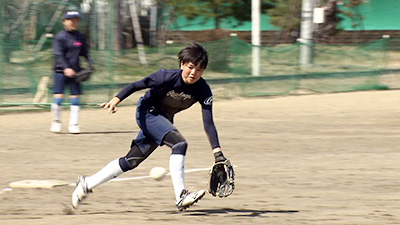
{"points": [[194, 53]]}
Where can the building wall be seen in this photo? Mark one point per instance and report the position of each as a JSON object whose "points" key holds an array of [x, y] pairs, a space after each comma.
{"points": [[275, 37]]}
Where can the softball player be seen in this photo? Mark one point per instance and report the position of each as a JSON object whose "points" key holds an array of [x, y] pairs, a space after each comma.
{"points": [[68, 45], [170, 91]]}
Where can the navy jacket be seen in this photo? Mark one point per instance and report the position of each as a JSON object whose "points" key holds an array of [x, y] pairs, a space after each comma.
{"points": [[169, 94], [67, 47]]}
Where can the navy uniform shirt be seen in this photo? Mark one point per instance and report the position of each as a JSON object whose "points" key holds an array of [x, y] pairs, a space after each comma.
{"points": [[169, 94], [67, 47]]}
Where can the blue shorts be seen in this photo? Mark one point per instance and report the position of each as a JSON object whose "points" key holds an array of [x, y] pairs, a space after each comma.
{"points": [[153, 125], [60, 80]]}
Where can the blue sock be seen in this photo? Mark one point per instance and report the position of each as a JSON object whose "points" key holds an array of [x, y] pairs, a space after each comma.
{"points": [[58, 101], [74, 101]]}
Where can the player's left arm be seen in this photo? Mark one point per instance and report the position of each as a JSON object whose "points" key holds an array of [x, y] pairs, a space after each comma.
{"points": [[222, 175], [209, 126], [211, 131]]}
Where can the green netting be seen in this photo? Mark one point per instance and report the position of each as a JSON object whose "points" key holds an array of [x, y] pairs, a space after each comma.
{"points": [[24, 67], [334, 68]]}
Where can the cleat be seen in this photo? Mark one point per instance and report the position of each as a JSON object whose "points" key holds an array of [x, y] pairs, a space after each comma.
{"points": [[80, 193], [56, 127], [74, 129], [189, 198]]}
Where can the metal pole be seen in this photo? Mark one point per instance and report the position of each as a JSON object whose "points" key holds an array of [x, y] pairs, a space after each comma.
{"points": [[153, 25], [255, 35], [306, 33], [2, 50]]}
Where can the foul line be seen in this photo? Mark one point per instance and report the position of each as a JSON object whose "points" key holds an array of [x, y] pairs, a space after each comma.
{"points": [[144, 177], [121, 179]]}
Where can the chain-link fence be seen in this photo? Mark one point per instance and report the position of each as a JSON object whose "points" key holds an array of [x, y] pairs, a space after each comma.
{"points": [[26, 60]]}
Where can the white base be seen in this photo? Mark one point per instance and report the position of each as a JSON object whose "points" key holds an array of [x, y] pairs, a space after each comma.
{"points": [[38, 183]]}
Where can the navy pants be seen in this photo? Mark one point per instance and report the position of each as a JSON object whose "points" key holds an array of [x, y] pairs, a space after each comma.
{"points": [[60, 81], [153, 125]]}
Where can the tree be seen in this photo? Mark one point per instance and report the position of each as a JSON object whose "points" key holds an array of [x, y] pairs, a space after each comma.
{"points": [[213, 9], [350, 9], [286, 14], [11, 32]]}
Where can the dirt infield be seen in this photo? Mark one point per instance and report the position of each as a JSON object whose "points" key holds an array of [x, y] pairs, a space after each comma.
{"points": [[314, 159]]}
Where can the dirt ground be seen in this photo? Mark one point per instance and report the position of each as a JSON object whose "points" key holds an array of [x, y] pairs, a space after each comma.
{"points": [[311, 159]]}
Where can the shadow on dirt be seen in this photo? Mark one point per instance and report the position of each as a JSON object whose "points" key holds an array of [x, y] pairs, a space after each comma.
{"points": [[107, 132], [234, 212]]}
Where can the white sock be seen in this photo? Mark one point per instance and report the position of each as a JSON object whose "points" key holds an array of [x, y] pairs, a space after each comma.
{"points": [[110, 171], [56, 111], [177, 171], [74, 115]]}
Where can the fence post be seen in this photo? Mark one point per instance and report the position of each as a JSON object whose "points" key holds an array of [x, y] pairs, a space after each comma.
{"points": [[2, 11], [255, 36], [306, 33]]}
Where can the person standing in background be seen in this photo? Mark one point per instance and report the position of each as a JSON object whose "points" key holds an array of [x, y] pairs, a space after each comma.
{"points": [[69, 44]]}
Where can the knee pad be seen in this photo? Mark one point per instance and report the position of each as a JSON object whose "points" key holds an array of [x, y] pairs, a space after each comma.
{"points": [[176, 141], [58, 101], [132, 159], [172, 138], [74, 101], [180, 148]]}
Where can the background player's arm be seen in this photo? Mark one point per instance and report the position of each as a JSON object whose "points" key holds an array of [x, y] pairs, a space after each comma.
{"points": [[69, 72], [58, 50]]}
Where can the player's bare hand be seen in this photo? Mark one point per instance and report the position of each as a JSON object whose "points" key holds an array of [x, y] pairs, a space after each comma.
{"points": [[112, 108], [111, 105], [69, 72]]}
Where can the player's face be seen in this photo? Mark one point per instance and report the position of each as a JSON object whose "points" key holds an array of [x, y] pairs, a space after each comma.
{"points": [[191, 73], [71, 24]]}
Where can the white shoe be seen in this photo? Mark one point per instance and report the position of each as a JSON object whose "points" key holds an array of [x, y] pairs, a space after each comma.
{"points": [[189, 198], [56, 127], [80, 193], [74, 129]]}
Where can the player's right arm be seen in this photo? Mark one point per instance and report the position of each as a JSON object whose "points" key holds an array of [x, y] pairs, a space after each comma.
{"points": [[156, 79], [150, 81], [111, 105]]}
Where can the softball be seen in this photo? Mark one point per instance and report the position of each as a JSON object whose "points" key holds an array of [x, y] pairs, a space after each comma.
{"points": [[158, 173]]}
